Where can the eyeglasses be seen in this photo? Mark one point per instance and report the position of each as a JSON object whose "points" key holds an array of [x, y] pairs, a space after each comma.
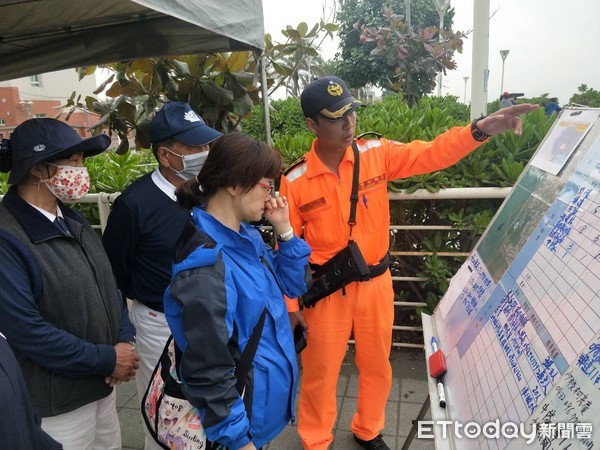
{"points": [[268, 187]]}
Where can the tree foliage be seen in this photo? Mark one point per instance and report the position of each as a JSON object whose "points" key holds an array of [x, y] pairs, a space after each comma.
{"points": [[221, 87], [586, 96], [415, 56], [356, 65]]}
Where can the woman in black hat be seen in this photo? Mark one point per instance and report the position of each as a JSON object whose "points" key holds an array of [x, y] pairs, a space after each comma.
{"points": [[60, 309]]}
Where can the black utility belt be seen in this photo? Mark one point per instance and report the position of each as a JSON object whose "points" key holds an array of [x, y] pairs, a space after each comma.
{"points": [[376, 269], [347, 266], [381, 267]]}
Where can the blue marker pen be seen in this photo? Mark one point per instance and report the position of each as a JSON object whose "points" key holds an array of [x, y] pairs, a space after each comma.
{"points": [[365, 201], [434, 344]]}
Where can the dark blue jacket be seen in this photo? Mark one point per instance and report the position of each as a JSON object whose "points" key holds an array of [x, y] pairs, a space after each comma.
{"points": [[20, 425], [139, 239], [222, 282], [551, 107]]}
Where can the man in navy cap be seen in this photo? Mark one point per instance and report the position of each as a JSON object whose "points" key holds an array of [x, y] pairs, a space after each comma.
{"points": [[318, 189], [146, 222]]}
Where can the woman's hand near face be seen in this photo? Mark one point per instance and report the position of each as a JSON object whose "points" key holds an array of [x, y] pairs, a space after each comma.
{"points": [[277, 213]]}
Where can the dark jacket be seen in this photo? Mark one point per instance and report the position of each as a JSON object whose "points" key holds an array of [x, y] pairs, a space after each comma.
{"points": [[139, 239], [60, 309], [222, 282], [20, 425], [551, 107]]}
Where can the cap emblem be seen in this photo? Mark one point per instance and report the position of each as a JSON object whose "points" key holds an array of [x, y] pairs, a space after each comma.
{"points": [[191, 116], [335, 89], [39, 148], [335, 115]]}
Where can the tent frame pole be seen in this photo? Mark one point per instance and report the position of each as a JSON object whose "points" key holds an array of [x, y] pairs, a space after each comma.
{"points": [[265, 98]]}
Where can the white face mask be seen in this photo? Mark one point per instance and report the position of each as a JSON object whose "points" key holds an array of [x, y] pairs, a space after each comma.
{"points": [[69, 183], [191, 164]]}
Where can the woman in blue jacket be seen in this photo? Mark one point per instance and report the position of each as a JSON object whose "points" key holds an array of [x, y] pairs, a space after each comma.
{"points": [[224, 276]]}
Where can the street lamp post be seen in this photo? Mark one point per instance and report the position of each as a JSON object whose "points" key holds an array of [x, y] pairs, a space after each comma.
{"points": [[503, 55], [441, 6], [465, 94]]}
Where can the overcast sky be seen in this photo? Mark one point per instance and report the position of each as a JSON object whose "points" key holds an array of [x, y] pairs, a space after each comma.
{"points": [[554, 44]]}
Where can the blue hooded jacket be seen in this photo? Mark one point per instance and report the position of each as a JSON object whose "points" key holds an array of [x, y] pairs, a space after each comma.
{"points": [[222, 281]]}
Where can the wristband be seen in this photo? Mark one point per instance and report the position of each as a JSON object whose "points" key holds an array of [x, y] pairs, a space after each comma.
{"points": [[286, 236], [477, 134]]}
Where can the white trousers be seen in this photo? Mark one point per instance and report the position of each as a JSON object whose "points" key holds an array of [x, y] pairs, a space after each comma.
{"points": [[151, 334], [94, 426]]}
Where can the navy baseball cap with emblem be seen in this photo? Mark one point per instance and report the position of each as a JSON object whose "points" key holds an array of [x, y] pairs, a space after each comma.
{"points": [[177, 120], [45, 139], [329, 97]]}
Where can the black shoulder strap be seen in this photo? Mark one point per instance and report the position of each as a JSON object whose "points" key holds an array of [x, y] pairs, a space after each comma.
{"points": [[243, 366], [354, 194], [245, 362], [369, 133]]}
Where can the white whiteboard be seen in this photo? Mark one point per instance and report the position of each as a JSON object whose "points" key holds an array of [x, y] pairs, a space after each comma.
{"points": [[520, 323]]}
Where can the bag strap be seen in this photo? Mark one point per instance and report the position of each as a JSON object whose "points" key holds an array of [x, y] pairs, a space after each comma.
{"points": [[245, 362], [354, 194], [241, 369], [165, 360]]}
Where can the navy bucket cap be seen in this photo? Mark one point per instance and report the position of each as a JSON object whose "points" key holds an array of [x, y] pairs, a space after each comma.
{"points": [[177, 120], [45, 139]]}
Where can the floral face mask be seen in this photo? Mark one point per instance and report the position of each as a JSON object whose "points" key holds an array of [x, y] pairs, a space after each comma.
{"points": [[69, 183]]}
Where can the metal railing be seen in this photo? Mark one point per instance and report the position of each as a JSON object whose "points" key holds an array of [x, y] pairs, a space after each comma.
{"points": [[104, 200], [443, 194]]}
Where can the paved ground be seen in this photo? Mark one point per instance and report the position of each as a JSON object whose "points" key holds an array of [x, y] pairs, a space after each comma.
{"points": [[409, 391]]}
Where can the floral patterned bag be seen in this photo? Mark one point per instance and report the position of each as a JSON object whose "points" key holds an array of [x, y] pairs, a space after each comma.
{"points": [[171, 419]]}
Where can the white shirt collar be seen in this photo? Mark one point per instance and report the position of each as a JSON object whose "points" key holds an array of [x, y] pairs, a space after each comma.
{"points": [[163, 184], [50, 216]]}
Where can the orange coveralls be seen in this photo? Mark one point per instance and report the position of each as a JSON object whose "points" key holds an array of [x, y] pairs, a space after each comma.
{"points": [[319, 205]]}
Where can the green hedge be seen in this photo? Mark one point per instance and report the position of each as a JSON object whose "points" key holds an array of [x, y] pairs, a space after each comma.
{"points": [[496, 164]]}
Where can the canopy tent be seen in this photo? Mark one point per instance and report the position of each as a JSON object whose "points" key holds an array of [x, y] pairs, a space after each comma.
{"points": [[38, 36]]}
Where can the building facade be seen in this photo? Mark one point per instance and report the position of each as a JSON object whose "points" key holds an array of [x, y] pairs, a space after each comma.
{"points": [[43, 95]]}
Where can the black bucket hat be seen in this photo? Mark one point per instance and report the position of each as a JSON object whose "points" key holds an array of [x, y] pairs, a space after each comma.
{"points": [[44, 139]]}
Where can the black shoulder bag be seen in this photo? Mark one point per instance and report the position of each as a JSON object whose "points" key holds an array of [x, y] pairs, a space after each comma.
{"points": [[348, 265]]}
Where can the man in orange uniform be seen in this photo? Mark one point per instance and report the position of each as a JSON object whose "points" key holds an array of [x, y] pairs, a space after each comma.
{"points": [[318, 190]]}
